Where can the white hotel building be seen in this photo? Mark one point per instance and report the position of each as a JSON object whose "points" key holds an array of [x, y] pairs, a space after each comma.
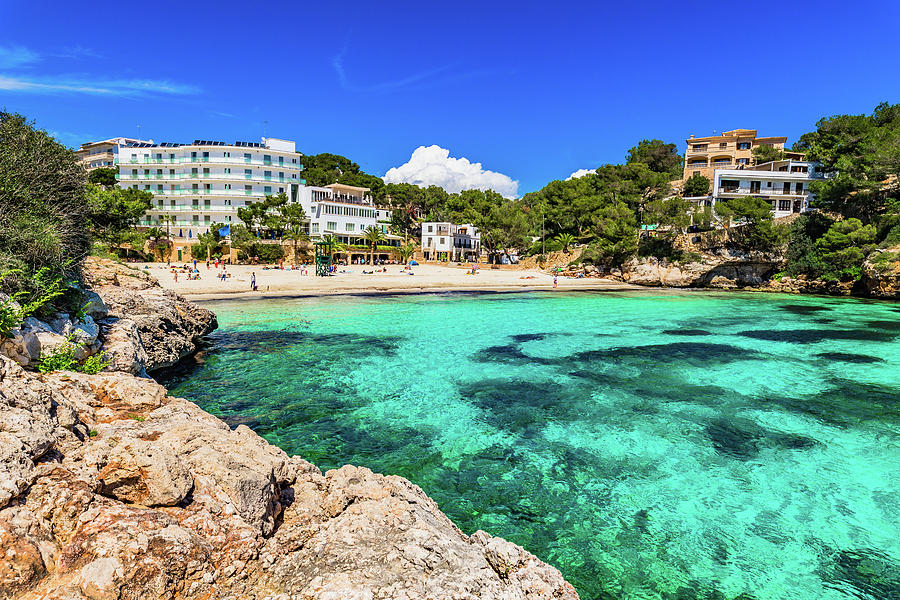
{"points": [[198, 184]]}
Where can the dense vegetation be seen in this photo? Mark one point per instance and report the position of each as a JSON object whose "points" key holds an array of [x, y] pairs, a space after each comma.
{"points": [[44, 213]]}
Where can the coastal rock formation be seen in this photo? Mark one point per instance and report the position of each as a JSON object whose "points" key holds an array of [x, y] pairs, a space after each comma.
{"points": [[169, 326], [109, 488], [882, 278], [141, 326]]}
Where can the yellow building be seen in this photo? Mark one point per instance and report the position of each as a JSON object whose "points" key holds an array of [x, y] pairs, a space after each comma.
{"points": [[729, 150]]}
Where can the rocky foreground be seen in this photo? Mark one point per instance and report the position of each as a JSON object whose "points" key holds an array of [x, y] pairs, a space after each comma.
{"points": [[110, 488]]}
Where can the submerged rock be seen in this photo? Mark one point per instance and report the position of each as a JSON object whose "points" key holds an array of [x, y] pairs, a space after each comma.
{"points": [[109, 488]]}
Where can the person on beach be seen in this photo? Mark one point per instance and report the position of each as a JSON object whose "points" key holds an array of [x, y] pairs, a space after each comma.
{"points": [[176, 276], [253, 282], [554, 280]]}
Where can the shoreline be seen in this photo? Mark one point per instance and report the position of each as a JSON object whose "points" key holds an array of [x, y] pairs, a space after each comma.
{"points": [[605, 286]]}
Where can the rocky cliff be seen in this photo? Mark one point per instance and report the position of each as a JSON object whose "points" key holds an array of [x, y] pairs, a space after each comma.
{"points": [[109, 488], [141, 326]]}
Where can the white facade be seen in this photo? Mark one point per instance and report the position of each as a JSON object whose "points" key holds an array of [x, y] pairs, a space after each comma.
{"points": [[784, 183], [447, 241], [206, 182]]}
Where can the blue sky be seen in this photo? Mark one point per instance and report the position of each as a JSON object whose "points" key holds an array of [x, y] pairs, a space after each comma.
{"points": [[531, 90]]}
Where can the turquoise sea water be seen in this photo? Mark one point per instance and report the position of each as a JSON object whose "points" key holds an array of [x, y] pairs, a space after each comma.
{"points": [[648, 444]]}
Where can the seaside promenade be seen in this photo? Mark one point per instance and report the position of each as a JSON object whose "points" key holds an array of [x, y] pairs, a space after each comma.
{"points": [[352, 280]]}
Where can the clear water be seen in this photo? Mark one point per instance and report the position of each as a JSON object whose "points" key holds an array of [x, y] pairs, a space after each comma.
{"points": [[649, 445]]}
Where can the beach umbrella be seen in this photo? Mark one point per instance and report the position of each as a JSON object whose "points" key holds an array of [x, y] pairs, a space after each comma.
{"points": [[413, 263]]}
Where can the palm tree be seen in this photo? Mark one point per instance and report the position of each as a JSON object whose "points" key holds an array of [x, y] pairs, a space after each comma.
{"points": [[336, 246], [407, 250], [373, 235], [565, 240], [159, 241], [296, 233]]}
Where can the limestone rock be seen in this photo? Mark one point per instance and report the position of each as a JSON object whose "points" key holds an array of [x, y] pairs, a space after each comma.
{"points": [[138, 472], [109, 488], [123, 346], [170, 327]]}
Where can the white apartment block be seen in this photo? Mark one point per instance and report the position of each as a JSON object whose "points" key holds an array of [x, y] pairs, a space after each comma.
{"points": [[448, 241], [205, 182], [783, 183]]}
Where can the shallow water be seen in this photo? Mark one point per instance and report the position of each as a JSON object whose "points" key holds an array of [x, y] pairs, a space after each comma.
{"points": [[648, 444]]}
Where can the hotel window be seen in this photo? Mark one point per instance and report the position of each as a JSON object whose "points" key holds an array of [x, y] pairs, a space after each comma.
{"points": [[294, 160], [267, 173], [755, 187], [248, 189], [314, 228], [267, 189], [196, 218], [267, 159], [146, 187], [228, 170], [350, 227], [442, 240], [331, 225], [134, 173], [159, 187], [195, 202], [226, 154], [206, 157], [743, 146], [280, 160], [281, 190], [227, 186], [206, 218], [430, 229], [784, 205], [743, 161], [247, 156], [160, 203]]}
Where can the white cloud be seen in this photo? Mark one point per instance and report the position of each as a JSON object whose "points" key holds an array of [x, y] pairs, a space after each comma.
{"points": [[433, 165], [124, 87], [581, 173], [16, 56]]}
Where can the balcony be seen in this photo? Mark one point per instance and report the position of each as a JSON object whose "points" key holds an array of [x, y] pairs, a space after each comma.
{"points": [[740, 191]]}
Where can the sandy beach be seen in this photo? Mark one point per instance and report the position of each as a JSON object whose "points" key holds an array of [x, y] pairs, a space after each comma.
{"points": [[351, 280]]}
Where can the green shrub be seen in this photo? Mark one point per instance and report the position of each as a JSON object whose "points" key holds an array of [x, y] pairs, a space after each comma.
{"points": [[46, 290], [95, 363], [886, 261], [62, 358]]}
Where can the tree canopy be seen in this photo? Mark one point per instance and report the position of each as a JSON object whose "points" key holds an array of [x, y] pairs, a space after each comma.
{"points": [[862, 155]]}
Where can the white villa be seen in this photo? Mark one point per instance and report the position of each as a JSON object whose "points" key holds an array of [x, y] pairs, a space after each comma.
{"points": [[447, 241], [784, 183]]}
